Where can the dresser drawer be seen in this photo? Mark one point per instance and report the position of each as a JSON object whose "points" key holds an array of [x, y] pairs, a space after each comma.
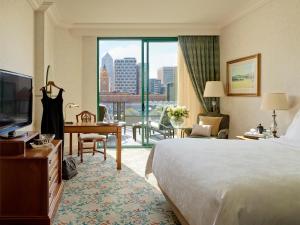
{"points": [[53, 189], [53, 173], [52, 160]]}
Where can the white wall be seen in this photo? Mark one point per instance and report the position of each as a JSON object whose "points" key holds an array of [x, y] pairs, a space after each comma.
{"points": [[68, 71], [49, 43], [44, 56], [17, 37], [89, 74], [273, 31]]}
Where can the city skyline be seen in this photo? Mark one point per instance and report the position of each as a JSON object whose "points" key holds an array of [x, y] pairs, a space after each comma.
{"points": [[126, 77], [161, 54]]}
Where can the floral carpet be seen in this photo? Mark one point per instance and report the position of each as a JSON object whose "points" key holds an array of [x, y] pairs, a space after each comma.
{"points": [[100, 194]]}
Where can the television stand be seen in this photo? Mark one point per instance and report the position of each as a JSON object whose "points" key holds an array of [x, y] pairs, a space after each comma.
{"points": [[30, 181], [13, 134]]}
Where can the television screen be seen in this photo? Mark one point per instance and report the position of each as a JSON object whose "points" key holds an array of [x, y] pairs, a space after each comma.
{"points": [[15, 101]]}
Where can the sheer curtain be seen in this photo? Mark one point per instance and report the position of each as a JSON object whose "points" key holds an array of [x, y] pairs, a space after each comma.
{"points": [[186, 95]]}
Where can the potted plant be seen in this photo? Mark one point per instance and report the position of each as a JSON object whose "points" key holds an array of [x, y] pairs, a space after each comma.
{"points": [[177, 115]]}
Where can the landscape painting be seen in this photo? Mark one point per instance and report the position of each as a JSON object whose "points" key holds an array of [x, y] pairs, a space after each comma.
{"points": [[243, 76]]}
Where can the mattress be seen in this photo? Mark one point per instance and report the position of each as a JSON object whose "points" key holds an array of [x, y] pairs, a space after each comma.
{"points": [[230, 182]]}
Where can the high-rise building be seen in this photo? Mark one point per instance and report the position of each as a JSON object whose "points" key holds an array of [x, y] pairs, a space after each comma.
{"points": [[126, 75], [171, 94], [167, 74], [154, 86], [108, 62], [139, 77], [104, 80]]}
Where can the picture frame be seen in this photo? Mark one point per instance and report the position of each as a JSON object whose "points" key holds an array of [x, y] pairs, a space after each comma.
{"points": [[243, 76]]}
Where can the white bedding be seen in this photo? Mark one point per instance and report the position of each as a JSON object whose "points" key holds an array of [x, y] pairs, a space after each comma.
{"points": [[230, 182]]}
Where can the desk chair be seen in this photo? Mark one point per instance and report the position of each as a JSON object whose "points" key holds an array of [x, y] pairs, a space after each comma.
{"points": [[88, 117]]}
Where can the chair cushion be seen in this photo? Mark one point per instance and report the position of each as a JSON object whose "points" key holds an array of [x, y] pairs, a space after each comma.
{"points": [[213, 121], [91, 136], [201, 130], [155, 125]]}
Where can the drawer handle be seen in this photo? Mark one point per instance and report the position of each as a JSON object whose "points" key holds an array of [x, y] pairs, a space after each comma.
{"points": [[50, 178]]}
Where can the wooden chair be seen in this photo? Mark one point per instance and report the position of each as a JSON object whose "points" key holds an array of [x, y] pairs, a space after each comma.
{"points": [[88, 117]]}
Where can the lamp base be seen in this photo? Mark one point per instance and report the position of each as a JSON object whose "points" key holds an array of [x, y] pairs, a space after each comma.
{"points": [[274, 132]]}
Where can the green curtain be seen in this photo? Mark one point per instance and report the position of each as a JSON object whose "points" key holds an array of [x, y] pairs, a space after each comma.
{"points": [[202, 58]]}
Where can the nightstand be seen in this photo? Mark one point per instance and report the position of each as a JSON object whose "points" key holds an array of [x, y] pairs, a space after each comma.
{"points": [[247, 138]]}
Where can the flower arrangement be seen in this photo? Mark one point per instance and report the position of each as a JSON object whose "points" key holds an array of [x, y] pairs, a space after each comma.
{"points": [[177, 113]]}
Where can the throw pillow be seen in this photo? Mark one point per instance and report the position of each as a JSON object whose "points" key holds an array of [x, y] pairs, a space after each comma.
{"points": [[213, 121], [201, 130]]}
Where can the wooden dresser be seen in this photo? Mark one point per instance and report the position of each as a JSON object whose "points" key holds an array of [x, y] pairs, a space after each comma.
{"points": [[30, 182]]}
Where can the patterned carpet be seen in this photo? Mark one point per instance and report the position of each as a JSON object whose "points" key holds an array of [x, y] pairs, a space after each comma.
{"points": [[100, 194]]}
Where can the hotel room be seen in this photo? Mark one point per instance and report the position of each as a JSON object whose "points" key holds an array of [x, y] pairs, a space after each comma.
{"points": [[161, 112]]}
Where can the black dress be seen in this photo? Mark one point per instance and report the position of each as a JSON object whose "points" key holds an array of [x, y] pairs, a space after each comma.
{"points": [[52, 120]]}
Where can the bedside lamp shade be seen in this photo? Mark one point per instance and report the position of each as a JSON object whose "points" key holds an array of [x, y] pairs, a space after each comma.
{"points": [[214, 89], [275, 101]]}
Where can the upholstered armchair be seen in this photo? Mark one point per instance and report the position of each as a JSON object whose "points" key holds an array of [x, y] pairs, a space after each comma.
{"points": [[222, 130]]}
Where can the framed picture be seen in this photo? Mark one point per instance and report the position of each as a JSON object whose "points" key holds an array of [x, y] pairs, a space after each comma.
{"points": [[243, 76]]}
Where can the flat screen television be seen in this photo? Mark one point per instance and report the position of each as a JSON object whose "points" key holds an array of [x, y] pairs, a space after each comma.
{"points": [[15, 102]]}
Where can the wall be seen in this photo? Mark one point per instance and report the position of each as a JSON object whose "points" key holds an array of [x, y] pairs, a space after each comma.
{"points": [[273, 31], [68, 71], [89, 71], [49, 41], [24, 34], [44, 56], [17, 37]]}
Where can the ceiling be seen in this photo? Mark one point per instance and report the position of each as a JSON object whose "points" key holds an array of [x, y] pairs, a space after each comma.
{"points": [[202, 12]]}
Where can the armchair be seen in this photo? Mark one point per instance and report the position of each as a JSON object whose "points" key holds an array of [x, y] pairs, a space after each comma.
{"points": [[223, 129]]}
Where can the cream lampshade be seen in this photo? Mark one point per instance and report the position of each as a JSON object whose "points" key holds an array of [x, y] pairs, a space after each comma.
{"points": [[214, 89], [275, 101]]}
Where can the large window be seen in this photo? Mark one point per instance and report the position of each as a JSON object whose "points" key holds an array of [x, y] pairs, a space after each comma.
{"points": [[137, 78]]}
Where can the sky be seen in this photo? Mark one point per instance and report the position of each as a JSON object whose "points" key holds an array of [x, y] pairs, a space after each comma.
{"points": [[160, 53]]}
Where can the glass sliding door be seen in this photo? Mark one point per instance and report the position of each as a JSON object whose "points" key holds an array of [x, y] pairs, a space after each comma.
{"points": [[136, 80], [160, 74]]}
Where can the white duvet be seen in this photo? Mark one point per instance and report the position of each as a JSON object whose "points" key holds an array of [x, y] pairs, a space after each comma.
{"points": [[230, 182]]}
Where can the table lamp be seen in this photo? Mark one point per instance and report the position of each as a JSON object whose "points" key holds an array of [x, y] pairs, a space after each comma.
{"points": [[274, 101], [214, 89], [70, 106]]}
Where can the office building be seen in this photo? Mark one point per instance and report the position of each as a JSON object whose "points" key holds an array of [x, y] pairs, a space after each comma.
{"points": [[125, 75], [154, 86], [167, 74]]}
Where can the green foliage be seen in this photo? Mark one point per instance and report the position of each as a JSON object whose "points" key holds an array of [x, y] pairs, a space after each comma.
{"points": [[177, 112]]}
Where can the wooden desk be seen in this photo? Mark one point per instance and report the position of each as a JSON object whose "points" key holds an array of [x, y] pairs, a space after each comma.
{"points": [[97, 128]]}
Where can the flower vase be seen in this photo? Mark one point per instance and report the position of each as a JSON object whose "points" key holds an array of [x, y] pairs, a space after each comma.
{"points": [[177, 122]]}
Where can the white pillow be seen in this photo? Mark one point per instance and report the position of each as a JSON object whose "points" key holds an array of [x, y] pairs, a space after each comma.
{"points": [[293, 130], [201, 130]]}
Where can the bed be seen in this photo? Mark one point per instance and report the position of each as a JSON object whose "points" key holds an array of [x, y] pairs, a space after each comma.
{"points": [[230, 182]]}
